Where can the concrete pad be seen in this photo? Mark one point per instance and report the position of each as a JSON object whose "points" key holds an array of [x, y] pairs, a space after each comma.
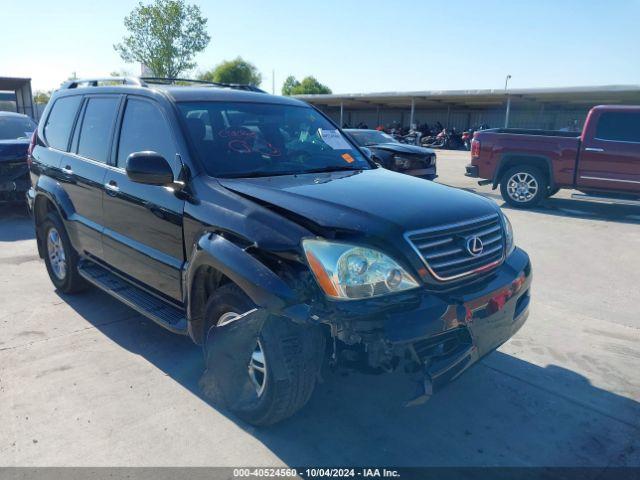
{"points": [[85, 381]]}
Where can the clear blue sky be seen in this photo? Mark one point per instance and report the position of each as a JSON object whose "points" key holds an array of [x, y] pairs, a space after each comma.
{"points": [[352, 46]]}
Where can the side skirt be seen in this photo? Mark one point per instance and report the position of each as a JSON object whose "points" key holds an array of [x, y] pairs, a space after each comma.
{"points": [[168, 316]]}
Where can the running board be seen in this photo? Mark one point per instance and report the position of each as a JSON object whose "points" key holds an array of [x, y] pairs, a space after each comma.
{"points": [[601, 199], [168, 316]]}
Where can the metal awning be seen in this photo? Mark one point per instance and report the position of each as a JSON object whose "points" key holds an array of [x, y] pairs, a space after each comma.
{"points": [[487, 98], [21, 87]]}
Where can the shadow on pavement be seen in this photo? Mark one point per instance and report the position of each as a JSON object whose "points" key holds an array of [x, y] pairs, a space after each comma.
{"points": [[503, 411], [565, 207], [16, 223]]}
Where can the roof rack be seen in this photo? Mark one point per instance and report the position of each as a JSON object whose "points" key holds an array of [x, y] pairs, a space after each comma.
{"points": [[179, 81], [147, 81], [95, 82]]}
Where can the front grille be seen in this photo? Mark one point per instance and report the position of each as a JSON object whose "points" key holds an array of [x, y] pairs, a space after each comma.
{"points": [[444, 250]]}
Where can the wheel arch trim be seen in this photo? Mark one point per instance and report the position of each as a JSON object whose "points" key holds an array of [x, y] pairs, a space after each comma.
{"points": [[265, 288]]}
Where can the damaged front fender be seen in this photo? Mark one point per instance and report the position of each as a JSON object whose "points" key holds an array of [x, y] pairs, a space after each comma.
{"points": [[265, 288]]}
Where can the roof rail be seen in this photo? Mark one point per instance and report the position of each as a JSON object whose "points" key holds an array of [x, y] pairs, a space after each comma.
{"points": [[146, 81], [94, 82], [178, 81]]}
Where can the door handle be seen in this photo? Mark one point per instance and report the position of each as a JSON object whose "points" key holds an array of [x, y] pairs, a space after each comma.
{"points": [[593, 149], [67, 169], [111, 187]]}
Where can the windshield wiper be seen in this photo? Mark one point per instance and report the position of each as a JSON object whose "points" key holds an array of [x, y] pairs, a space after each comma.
{"points": [[258, 174], [334, 168]]}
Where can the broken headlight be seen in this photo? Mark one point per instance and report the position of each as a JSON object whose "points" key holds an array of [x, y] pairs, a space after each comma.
{"points": [[351, 272]]}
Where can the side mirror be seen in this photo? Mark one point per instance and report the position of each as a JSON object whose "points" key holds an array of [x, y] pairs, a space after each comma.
{"points": [[367, 152], [370, 156], [149, 168]]}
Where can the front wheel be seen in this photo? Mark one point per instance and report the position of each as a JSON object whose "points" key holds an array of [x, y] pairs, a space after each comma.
{"points": [[281, 370], [523, 186]]}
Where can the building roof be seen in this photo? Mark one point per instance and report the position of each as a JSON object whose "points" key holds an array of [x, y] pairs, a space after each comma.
{"points": [[481, 98], [12, 83]]}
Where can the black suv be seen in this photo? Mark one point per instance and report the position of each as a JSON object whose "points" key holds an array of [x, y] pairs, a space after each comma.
{"points": [[252, 224]]}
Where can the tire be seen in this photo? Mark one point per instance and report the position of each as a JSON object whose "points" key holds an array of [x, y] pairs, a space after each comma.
{"points": [[62, 265], [292, 355], [514, 191]]}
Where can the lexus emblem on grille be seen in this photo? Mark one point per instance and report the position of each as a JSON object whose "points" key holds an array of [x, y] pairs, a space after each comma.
{"points": [[474, 246]]}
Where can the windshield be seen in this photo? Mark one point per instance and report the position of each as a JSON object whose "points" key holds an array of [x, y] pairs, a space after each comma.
{"points": [[12, 128], [258, 139], [364, 138]]}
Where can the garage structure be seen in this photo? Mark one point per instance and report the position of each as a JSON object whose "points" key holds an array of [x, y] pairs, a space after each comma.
{"points": [[16, 95], [544, 108]]}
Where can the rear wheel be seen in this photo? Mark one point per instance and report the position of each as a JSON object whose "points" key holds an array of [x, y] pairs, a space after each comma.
{"points": [[281, 371], [523, 186], [59, 256]]}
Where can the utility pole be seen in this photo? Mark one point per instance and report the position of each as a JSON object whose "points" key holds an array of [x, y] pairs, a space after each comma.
{"points": [[506, 116]]}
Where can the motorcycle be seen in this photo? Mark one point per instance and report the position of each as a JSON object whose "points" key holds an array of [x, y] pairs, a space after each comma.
{"points": [[448, 139], [467, 136]]}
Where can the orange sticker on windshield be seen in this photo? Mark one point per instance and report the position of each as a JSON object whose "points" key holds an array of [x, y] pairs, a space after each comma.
{"points": [[347, 158]]}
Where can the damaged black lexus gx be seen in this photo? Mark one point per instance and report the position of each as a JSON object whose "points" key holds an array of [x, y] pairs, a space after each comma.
{"points": [[250, 223]]}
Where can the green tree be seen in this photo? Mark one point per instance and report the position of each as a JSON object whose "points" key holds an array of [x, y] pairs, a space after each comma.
{"points": [[164, 36], [42, 96], [120, 73], [308, 85], [237, 70], [289, 84]]}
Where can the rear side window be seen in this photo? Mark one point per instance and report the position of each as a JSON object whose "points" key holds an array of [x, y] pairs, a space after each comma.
{"points": [[619, 126], [97, 125], [144, 128], [60, 121]]}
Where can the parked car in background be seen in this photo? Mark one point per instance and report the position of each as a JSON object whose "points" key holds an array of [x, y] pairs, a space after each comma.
{"points": [[250, 223], [396, 156], [603, 162], [15, 132]]}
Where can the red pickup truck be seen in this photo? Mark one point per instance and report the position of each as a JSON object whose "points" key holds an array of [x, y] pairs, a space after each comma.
{"points": [[529, 165]]}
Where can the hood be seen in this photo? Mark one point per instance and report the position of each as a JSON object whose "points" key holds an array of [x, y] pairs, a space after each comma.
{"points": [[365, 201], [12, 150], [402, 148]]}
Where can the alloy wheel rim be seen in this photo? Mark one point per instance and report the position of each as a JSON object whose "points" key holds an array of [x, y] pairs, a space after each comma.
{"points": [[522, 187], [257, 366], [57, 257]]}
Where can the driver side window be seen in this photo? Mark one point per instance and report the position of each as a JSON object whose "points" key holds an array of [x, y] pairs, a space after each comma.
{"points": [[145, 128]]}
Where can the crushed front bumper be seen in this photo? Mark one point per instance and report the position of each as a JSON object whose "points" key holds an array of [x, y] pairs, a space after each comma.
{"points": [[440, 333]]}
